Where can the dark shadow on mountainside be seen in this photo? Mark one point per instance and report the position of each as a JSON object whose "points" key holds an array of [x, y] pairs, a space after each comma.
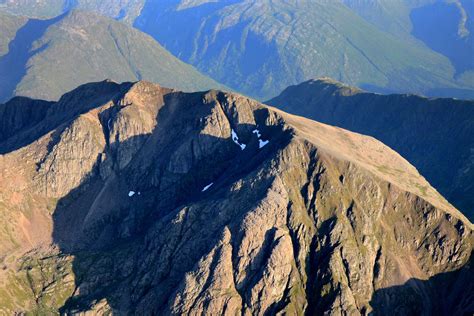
{"points": [[14, 65]]}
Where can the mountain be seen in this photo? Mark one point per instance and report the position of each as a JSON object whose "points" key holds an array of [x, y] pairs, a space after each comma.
{"points": [[422, 46], [268, 45], [35, 8], [137, 199], [45, 58], [435, 135], [445, 26]]}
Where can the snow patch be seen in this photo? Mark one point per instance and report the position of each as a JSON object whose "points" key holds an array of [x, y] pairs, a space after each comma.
{"points": [[262, 143], [256, 131], [207, 186], [131, 193], [235, 139]]}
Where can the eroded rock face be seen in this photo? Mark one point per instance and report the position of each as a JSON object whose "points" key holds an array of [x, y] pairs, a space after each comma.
{"points": [[158, 209]]}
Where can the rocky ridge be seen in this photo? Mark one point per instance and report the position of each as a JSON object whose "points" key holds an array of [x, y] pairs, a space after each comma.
{"points": [[433, 134]]}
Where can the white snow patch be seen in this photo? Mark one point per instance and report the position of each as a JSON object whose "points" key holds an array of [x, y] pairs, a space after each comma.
{"points": [[235, 139], [256, 131], [207, 186], [131, 193], [262, 143]]}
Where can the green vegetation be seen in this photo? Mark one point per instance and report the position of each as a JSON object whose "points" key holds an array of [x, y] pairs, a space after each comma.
{"points": [[259, 48], [123, 10], [39, 285], [57, 55], [10, 24], [34, 8]]}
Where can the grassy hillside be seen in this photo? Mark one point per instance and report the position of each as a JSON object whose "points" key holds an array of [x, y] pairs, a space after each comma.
{"points": [[35, 8], [448, 28], [445, 26], [49, 57], [122, 10], [10, 24]]}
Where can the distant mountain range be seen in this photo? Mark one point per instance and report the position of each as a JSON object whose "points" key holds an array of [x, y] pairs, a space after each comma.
{"points": [[435, 135], [137, 199], [423, 46], [45, 58]]}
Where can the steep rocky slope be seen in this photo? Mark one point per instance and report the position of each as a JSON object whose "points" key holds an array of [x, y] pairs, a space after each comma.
{"points": [[435, 135], [46, 58], [136, 199]]}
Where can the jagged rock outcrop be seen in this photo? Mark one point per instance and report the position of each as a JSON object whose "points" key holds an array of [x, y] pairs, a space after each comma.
{"points": [[164, 202]]}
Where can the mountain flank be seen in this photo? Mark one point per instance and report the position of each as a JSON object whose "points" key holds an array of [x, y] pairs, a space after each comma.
{"points": [[434, 134], [46, 58], [269, 45]]}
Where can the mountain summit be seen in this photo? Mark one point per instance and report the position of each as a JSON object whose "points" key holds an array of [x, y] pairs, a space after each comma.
{"points": [[137, 199]]}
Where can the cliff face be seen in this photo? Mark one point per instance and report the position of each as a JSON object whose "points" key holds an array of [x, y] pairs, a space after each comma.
{"points": [[435, 135], [148, 200], [20, 114]]}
